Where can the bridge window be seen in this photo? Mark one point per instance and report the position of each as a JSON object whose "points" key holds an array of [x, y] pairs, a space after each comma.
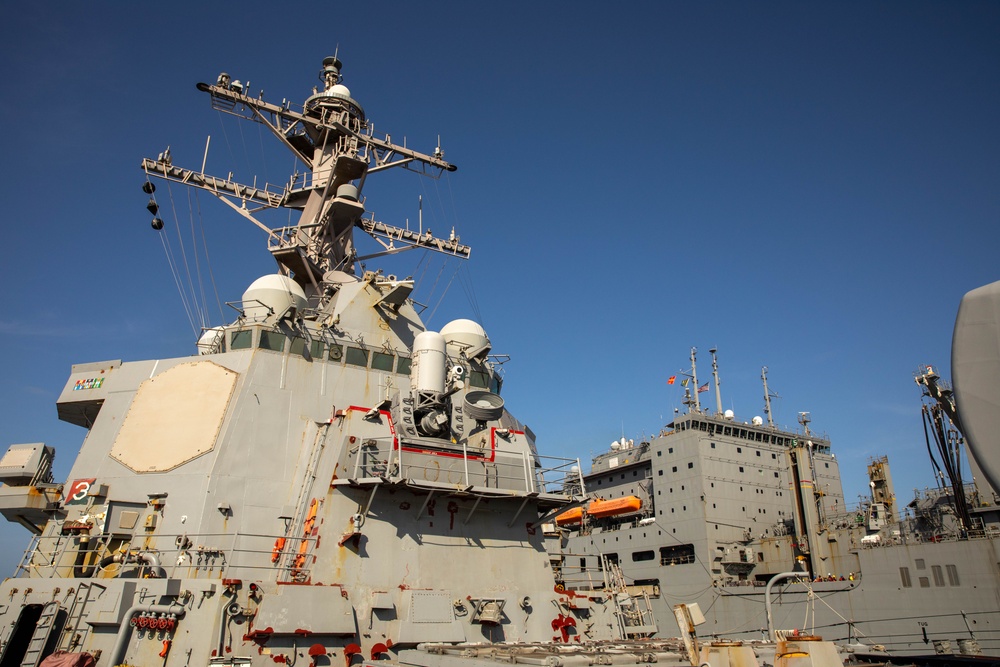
{"points": [[643, 555], [272, 340], [382, 361], [403, 366], [241, 340], [356, 356]]}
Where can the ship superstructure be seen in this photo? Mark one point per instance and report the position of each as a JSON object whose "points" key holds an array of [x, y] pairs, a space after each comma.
{"points": [[325, 481], [725, 505]]}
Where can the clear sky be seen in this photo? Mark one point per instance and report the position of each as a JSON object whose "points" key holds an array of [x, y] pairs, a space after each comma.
{"points": [[806, 186]]}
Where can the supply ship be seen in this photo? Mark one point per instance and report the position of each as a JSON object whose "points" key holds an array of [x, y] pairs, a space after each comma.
{"points": [[714, 508]]}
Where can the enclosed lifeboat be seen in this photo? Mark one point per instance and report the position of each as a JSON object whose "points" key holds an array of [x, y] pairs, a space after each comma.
{"points": [[600, 509]]}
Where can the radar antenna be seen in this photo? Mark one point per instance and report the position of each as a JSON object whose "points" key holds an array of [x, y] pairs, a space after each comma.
{"points": [[331, 135]]}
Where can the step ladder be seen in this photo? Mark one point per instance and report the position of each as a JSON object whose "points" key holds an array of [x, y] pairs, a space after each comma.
{"points": [[39, 639]]}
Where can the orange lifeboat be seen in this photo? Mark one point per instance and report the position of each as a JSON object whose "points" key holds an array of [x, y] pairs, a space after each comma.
{"points": [[606, 508], [570, 517]]}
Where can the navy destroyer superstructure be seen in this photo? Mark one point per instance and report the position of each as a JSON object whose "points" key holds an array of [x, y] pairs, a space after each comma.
{"points": [[325, 482]]}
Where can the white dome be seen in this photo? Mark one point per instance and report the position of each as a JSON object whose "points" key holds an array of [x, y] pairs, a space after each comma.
{"points": [[465, 335], [209, 339], [339, 89], [757, 421], [272, 297]]}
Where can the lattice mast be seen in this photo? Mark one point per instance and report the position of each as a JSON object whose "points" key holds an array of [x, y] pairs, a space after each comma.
{"points": [[332, 137]]}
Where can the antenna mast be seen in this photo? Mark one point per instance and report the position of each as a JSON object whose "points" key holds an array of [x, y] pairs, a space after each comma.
{"points": [[694, 379], [767, 397], [715, 376]]}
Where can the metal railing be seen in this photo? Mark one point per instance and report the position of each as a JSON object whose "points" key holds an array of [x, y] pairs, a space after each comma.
{"points": [[504, 468], [188, 555]]}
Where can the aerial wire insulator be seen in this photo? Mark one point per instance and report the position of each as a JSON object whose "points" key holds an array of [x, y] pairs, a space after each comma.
{"points": [[157, 224], [152, 206], [148, 188]]}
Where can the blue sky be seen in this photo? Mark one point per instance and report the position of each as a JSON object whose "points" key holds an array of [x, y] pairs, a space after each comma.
{"points": [[811, 187]]}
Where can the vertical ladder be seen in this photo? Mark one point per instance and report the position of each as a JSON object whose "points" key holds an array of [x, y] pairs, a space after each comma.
{"points": [[33, 655], [28, 554], [635, 613], [74, 618]]}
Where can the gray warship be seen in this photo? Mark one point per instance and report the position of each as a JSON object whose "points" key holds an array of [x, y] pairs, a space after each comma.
{"points": [[326, 481], [714, 508]]}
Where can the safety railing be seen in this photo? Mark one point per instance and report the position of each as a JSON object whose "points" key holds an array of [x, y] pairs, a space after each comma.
{"points": [[506, 468], [206, 555]]}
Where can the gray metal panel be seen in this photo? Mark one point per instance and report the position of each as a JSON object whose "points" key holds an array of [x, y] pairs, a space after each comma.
{"points": [[429, 616], [314, 609], [110, 607], [975, 367]]}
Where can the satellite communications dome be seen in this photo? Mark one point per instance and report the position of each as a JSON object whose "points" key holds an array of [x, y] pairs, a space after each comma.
{"points": [[273, 297], [465, 335], [208, 342], [757, 421], [340, 90]]}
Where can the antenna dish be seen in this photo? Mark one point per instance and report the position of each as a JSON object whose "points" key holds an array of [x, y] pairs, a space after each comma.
{"points": [[729, 414], [757, 421], [615, 445]]}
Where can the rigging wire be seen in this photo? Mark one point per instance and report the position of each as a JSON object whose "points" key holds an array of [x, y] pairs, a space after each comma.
{"points": [[263, 159], [168, 251], [190, 284], [468, 286], [246, 152], [203, 304], [208, 261], [446, 287], [225, 135]]}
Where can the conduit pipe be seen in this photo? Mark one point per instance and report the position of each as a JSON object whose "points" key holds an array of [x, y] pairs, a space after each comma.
{"points": [[125, 631]]}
